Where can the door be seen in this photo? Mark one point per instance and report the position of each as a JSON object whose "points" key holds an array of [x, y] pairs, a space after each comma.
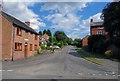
{"points": [[26, 51]]}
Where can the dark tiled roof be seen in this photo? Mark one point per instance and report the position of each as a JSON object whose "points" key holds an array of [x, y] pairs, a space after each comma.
{"points": [[96, 24], [18, 23]]}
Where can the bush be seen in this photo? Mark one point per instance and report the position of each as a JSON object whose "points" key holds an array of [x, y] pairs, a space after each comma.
{"points": [[108, 53], [43, 47], [96, 43], [38, 52], [48, 48], [59, 44]]}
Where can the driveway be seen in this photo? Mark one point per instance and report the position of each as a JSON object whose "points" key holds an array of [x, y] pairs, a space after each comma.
{"points": [[63, 64]]}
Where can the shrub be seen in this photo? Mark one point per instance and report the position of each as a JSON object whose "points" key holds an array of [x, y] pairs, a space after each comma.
{"points": [[58, 44], [96, 43], [38, 52], [108, 53], [43, 47], [48, 48]]}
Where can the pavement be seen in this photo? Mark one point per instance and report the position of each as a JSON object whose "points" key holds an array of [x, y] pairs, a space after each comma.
{"points": [[65, 63]]}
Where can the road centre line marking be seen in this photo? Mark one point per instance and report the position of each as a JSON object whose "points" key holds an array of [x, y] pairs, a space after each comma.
{"points": [[2, 70], [100, 74], [118, 75], [106, 74], [9, 70], [94, 74], [6, 70], [80, 73]]}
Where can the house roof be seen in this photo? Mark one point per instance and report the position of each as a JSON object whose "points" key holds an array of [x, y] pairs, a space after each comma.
{"points": [[96, 24], [17, 22]]}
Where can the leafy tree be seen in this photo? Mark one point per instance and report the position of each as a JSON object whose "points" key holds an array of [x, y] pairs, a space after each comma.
{"points": [[70, 41], [49, 32], [77, 42], [96, 43], [53, 38], [44, 32], [40, 33], [61, 36], [111, 17]]}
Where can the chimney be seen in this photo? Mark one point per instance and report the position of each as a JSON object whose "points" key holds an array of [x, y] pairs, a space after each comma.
{"points": [[27, 23], [91, 20]]}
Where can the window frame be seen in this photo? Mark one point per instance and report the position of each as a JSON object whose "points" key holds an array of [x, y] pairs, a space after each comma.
{"points": [[36, 37], [35, 47], [19, 31], [18, 46]]}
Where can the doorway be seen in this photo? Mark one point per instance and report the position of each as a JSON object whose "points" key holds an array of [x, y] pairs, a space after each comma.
{"points": [[26, 50]]}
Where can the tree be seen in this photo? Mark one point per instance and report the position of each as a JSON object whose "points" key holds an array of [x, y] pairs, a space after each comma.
{"points": [[44, 32], [96, 43], [77, 42], [40, 33], [53, 39], [70, 41], [61, 36], [111, 17], [49, 32]]}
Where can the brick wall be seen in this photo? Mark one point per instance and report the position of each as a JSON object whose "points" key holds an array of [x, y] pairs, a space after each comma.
{"points": [[21, 39], [85, 41], [6, 39], [95, 30], [9, 37]]}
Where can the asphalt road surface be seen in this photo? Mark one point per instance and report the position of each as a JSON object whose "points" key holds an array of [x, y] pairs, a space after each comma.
{"points": [[65, 63]]}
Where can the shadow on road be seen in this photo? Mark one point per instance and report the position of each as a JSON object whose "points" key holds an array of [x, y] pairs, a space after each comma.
{"points": [[74, 54]]}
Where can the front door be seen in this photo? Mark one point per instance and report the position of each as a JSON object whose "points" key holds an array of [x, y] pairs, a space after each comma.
{"points": [[26, 50]]}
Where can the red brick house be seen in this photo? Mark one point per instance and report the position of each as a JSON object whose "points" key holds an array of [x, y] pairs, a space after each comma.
{"points": [[85, 41], [18, 39], [96, 28]]}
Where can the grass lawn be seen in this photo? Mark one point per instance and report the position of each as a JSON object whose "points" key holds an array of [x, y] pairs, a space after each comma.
{"points": [[88, 57]]}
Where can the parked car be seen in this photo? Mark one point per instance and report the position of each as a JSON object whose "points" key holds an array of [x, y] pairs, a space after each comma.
{"points": [[56, 47]]}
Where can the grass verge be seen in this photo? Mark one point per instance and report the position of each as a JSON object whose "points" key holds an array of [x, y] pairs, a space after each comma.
{"points": [[88, 57]]}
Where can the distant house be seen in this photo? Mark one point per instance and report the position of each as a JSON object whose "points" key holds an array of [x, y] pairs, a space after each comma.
{"points": [[43, 40], [46, 36], [18, 39], [97, 28], [85, 41]]}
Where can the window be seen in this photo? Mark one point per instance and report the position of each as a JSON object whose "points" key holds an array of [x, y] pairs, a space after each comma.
{"points": [[18, 46], [100, 32], [35, 47], [19, 32], [36, 37], [30, 47]]}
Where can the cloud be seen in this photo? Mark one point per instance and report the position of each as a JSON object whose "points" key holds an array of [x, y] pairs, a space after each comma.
{"points": [[64, 8], [84, 27], [21, 11], [64, 22], [86, 23], [64, 17]]}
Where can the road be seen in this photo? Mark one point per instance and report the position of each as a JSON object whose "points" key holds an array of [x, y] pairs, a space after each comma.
{"points": [[63, 64]]}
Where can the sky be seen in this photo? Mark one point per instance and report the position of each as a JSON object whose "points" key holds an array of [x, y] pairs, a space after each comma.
{"points": [[71, 17]]}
